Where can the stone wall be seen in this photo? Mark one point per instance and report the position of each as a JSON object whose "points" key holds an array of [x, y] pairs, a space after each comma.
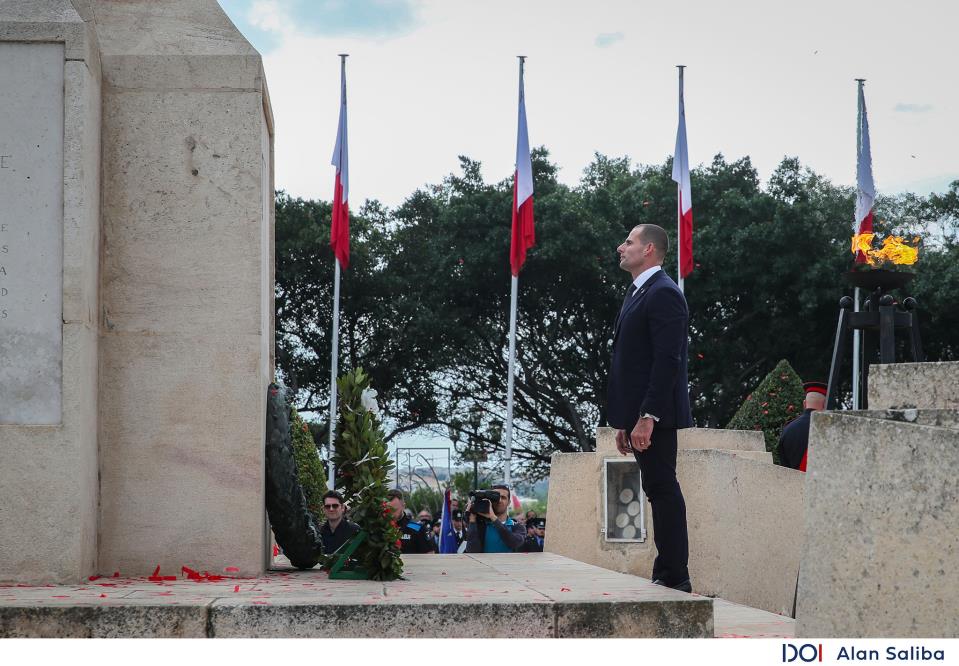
{"points": [[48, 459], [882, 511], [186, 289]]}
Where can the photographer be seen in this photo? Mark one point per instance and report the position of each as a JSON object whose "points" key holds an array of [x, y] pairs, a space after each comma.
{"points": [[490, 529]]}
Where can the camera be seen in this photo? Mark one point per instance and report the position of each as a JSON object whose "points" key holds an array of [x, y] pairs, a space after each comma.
{"points": [[482, 501]]}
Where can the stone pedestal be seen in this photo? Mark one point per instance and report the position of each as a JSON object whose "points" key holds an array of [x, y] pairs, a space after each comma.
{"points": [[49, 247], [136, 291], [187, 289], [882, 511], [743, 515]]}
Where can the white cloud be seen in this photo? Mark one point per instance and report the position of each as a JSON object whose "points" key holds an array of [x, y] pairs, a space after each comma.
{"points": [[271, 16]]}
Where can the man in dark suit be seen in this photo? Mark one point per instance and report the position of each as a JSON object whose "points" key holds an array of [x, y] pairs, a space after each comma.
{"points": [[648, 397]]}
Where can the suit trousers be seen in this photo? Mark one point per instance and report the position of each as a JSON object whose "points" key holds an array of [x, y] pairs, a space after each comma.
{"points": [[657, 465]]}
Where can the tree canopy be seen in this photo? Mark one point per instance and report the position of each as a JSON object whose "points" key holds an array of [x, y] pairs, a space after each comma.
{"points": [[425, 301]]}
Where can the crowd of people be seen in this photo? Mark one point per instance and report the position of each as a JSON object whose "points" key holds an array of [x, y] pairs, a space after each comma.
{"points": [[484, 526]]}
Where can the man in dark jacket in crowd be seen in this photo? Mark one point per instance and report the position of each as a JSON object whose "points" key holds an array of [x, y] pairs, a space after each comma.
{"points": [[337, 529]]}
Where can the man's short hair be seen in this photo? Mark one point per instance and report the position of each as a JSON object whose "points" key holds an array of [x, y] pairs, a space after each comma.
{"points": [[501, 486], [395, 494], [334, 494], [652, 233]]}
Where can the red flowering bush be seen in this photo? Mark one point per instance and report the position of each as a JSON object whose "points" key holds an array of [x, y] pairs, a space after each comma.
{"points": [[774, 403]]}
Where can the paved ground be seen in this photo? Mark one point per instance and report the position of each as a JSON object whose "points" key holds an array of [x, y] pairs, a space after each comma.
{"points": [[545, 595]]}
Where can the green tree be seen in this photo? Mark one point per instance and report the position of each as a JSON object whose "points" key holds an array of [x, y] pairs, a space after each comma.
{"points": [[426, 297], [775, 402], [424, 497]]}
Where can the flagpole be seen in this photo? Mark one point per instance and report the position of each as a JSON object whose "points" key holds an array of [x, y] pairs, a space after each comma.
{"points": [[334, 362], [509, 390], [679, 208], [856, 339], [335, 353]]}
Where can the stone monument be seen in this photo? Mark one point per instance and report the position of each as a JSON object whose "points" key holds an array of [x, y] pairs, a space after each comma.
{"points": [[136, 290]]}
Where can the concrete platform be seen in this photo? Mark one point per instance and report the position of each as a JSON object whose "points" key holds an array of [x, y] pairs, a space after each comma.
{"points": [[538, 595]]}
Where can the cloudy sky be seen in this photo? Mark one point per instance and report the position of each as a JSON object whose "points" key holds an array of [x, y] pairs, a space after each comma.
{"points": [[433, 79]]}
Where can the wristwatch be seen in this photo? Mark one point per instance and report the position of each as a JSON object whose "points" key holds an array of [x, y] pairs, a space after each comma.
{"points": [[650, 416]]}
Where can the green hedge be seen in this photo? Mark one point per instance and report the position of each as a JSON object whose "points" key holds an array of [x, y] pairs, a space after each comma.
{"points": [[774, 403], [309, 467]]}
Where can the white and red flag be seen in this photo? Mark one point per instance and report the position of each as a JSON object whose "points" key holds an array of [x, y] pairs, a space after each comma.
{"points": [[340, 229], [865, 188], [685, 197], [523, 236]]}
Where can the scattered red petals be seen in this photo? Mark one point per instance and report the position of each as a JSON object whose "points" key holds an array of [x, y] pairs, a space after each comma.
{"points": [[93, 578], [236, 588]]}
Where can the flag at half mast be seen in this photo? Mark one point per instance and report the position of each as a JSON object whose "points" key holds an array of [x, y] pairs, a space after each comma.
{"points": [[685, 202], [523, 236], [340, 228], [865, 188]]}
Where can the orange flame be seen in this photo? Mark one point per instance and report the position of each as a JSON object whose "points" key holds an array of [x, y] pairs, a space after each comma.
{"points": [[895, 249]]}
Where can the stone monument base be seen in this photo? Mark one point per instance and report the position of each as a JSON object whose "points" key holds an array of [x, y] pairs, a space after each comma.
{"points": [[537, 595]]}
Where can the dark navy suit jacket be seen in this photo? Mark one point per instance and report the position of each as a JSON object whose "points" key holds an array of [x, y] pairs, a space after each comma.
{"points": [[648, 372]]}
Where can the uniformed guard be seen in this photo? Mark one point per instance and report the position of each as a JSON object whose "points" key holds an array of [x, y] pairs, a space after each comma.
{"points": [[414, 538], [794, 441]]}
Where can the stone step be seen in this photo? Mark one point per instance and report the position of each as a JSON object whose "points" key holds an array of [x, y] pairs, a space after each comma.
{"points": [[536, 595], [916, 385], [696, 438], [940, 418], [716, 438]]}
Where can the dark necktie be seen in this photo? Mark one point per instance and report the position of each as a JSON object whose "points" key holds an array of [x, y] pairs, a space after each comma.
{"points": [[629, 295]]}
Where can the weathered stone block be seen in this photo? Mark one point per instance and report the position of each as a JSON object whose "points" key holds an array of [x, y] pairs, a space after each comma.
{"points": [[922, 385], [882, 529]]}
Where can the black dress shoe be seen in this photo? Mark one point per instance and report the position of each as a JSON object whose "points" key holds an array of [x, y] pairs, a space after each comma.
{"points": [[685, 586]]}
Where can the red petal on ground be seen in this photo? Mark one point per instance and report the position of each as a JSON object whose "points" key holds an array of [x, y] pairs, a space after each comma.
{"points": [[564, 589], [232, 569], [103, 596], [156, 572], [93, 578], [236, 588], [116, 574]]}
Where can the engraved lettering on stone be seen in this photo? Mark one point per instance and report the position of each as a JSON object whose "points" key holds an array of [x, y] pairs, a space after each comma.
{"points": [[31, 232]]}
